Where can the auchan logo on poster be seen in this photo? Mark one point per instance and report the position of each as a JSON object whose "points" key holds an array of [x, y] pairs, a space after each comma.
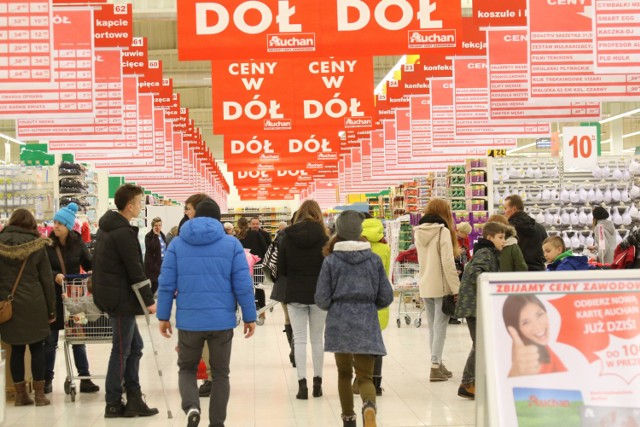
{"points": [[360, 122], [432, 39], [301, 42], [278, 124]]}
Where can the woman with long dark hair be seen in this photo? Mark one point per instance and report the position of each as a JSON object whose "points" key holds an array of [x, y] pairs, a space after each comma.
{"points": [[24, 265]]}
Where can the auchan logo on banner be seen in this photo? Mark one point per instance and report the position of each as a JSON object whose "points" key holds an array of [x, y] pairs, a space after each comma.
{"points": [[300, 42], [359, 122], [278, 124], [431, 39]]}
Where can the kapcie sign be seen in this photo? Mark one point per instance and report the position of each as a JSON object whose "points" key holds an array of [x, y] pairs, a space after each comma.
{"points": [[228, 29]]}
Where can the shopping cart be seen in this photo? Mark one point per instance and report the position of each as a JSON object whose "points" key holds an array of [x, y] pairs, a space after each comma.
{"points": [[405, 282], [261, 282], [83, 324]]}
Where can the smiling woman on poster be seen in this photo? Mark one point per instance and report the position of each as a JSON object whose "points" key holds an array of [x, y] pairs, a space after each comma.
{"points": [[527, 322]]}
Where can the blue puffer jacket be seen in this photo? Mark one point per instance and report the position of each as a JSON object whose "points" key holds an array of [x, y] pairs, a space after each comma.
{"points": [[353, 286], [209, 272]]}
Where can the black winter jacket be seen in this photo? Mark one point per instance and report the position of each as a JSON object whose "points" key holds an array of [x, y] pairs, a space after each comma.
{"points": [[34, 302], [75, 254], [300, 260], [255, 242], [117, 264], [530, 238], [152, 257]]}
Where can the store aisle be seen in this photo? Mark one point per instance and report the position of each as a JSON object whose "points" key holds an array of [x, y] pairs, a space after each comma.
{"points": [[263, 385]]}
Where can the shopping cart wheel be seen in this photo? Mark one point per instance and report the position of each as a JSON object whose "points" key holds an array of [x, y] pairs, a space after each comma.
{"points": [[418, 322], [271, 310], [73, 394], [260, 321], [407, 319], [398, 322], [67, 387]]}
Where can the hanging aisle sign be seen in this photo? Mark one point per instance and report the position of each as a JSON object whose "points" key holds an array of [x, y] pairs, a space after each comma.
{"points": [[616, 26], [580, 148], [558, 349], [509, 76], [561, 55], [228, 29]]}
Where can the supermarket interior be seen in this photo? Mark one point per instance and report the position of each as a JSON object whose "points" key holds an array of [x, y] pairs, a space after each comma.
{"points": [[377, 106]]}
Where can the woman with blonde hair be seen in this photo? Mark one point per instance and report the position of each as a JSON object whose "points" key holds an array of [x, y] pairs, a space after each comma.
{"points": [[511, 258], [437, 246], [300, 259]]}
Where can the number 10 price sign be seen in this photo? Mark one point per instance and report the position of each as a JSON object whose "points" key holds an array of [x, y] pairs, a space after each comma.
{"points": [[580, 148]]}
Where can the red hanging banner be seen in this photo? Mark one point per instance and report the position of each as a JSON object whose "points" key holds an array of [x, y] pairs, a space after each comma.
{"points": [[113, 25]]}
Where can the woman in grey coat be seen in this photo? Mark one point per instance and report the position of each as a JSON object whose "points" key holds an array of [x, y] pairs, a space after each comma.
{"points": [[353, 286], [604, 234]]}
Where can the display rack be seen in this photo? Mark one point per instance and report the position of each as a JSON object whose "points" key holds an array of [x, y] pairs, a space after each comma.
{"points": [[269, 217], [28, 187]]}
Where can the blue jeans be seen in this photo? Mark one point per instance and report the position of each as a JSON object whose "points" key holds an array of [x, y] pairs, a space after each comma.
{"points": [[300, 316], [437, 321], [124, 362], [50, 349]]}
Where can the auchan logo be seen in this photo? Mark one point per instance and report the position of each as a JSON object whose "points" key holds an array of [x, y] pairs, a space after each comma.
{"points": [[311, 165], [289, 42], [360, 122], [327, 156], [273, 157], [278, 124], [430, 39]]}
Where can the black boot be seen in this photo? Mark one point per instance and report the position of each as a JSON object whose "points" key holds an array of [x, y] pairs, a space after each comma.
{"points": [[86, 386], [317, 386], [114, 410], [377, 382], [303, 392], [348, 421], [292, 357], [205, 389], [48, 386], [136, 406]]}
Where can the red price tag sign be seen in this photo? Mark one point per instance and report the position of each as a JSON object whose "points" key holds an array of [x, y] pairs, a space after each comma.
{"points": [[580, 148]]}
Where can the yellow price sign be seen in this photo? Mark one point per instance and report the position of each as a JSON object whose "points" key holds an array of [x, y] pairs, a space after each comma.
{"points": [[497, 152]]}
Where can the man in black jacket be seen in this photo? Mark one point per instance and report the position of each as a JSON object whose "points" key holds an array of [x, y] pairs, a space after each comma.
{"points": [[530, 233], [256, 226], [117, 264]]}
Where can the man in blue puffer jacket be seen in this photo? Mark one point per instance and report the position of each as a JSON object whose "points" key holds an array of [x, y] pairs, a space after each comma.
{"points": [[207, 272]]}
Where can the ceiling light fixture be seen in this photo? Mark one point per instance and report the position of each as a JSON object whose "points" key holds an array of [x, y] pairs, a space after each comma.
{"points": [[515, 150], [619, 116], [8, 138]]}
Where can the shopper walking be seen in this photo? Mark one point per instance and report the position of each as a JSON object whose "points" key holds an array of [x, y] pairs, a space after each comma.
{"points": [[208, 271], [353, 285], [437, 247], [300, 260], [190, 207], [511, 258], [67, 254], [604, 235], [373, 231], [155, 243], [254, 241], [118, 266], [25, 273], [256, 225], [486, 259], [530, 233]]}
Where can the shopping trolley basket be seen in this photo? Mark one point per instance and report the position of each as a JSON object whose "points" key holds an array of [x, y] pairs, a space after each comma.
{"points": [[260, 282], [83, 323], [405, 282]]}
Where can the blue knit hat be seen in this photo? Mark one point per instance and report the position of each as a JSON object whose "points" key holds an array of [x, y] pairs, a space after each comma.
{"points": [[67, 215]]}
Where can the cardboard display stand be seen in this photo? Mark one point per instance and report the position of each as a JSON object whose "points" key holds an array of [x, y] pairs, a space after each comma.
{"points": [[558, 348]]}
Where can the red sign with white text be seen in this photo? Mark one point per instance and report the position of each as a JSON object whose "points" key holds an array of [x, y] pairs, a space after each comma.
{"points": [[500, 13], [270, 28], [135, 58], [561, 54], [616, 26], [73, 67], [26, 51], [113, 25], [509, 84]]}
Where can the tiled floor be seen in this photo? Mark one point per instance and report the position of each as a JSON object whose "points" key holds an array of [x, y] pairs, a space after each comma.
{"points": [[263, 385]]}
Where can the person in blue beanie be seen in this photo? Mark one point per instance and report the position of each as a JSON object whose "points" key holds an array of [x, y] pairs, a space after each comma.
{"points": [[207, 272], [67, 254]]}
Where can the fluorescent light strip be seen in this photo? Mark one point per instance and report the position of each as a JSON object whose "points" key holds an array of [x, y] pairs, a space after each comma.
{"points": [[631, 134], [389, 75], [520, 148], [8, 138], [619, 116]]}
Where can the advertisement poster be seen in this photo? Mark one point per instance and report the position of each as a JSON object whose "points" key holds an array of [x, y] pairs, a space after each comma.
{"points": [[561, 55], [509, 75], [616, 26], [560, 349]]}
